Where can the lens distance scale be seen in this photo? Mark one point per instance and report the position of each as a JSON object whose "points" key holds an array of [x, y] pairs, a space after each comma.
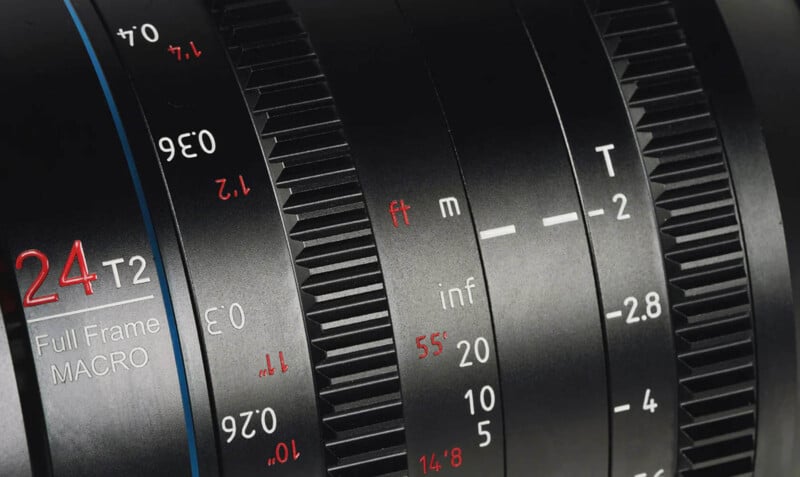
{"points": [[230, 232], [425, 240]]}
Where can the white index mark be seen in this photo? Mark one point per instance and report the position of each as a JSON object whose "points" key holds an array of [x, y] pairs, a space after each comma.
{"points": [[93, 308], [614, 314], [643, 474], [595, 213], [497, 232], [622, 408], [560, 219]]}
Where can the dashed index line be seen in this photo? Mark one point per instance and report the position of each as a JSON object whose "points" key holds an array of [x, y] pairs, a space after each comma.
{"points": [[596, 212], [560, 219], [497, 232], [614, 314]]}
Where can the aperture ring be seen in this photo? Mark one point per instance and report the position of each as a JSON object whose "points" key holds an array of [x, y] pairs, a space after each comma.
{"points": [[700, 232]]}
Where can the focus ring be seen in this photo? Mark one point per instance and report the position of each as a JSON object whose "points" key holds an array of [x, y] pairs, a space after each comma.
{"points": [[700, 232], [329, 231]]}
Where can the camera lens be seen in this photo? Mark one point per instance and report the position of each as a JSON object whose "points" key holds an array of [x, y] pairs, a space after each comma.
{"points": [[395, 238]]}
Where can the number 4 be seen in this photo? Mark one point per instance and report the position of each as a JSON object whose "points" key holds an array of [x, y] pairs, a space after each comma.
{"points": [[85, 277], [649, 403]]}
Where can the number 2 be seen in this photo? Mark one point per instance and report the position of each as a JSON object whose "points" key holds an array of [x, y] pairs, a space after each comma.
{"points": [[621, 215], [222, 194], [633, 303], [30, 299]]}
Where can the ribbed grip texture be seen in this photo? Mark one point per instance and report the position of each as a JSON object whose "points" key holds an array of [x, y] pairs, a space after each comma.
{"points": [[329, 231], [700, 234]]}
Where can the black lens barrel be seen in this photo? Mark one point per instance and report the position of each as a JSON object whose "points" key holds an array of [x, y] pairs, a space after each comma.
{"points": [[392, 237]]}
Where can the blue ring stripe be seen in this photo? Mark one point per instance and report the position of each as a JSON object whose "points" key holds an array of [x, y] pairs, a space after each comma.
{"points": [[151, 235]]}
